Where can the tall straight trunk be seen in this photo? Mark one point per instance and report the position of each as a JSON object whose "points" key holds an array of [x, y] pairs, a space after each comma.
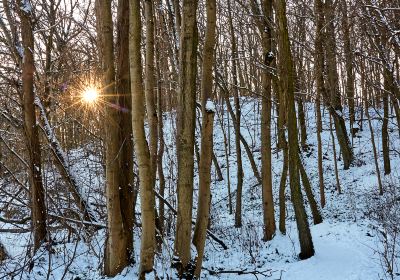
{"points": [[37, 200], [149, 86], [239, 186], [115, 258], [186, 129], [334, 99], [320, 85], [301, 83], [147, 200], [302, 122], [338, 187], [203, 209], [264, 25], [123, 89], [349, 58], [385, 122], [320, 157], [285, 71], [366, 103], [162, 72], [226, 152]]}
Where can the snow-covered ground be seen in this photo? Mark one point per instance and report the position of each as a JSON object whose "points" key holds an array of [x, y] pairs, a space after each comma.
{"points": [[348, 243]]}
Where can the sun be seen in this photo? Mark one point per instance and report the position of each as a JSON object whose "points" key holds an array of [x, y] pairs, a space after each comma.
{"points": [[90, 95]]}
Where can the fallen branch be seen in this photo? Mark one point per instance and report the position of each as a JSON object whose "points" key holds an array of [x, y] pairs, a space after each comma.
{"points": [[63, 166], [266, 273]]}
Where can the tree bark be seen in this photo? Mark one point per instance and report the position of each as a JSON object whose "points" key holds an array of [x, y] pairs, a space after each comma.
{"points": [[320, 85], [123, 88], [348, 51], [147, 199], [235, 84], [264, 24], [385, 122], [285, 70], [333, 101], [186, 128], [203, 209], [37, 193], [149, 86]]}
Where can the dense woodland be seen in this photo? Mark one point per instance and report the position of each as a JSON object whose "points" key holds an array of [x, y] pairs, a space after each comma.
{"points": [[186, 139]]}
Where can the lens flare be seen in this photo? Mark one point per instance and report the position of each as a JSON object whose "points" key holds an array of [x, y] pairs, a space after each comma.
{"points": [[90, 95]]}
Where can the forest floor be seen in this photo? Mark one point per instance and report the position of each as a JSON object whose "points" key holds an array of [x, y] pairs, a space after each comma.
{"points": [[349, 244]]}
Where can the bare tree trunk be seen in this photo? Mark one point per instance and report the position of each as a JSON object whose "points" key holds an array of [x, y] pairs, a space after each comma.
{"points": [[203, 209], [147, 199], [320, 157], [116, 253], [3, 253], [385, 134], [186, 129], [226, 150], [160, 126], [37, 193], [239, 186], [366, 104], [282, 188], [319, 77], [310, 196], [285, 71], [339, 189], [334, 99], [378, 173], [123, 88], [149, 86], [348, 51], [264, 24]]}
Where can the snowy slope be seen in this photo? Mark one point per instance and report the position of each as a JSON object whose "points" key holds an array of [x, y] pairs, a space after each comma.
{"points": [[347, 243]]}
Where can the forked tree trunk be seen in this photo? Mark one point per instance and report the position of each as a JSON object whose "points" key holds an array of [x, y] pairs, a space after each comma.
{"points": [[203, 209], [37, 195], [285, 70], [186, 128], [147, 199]]}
